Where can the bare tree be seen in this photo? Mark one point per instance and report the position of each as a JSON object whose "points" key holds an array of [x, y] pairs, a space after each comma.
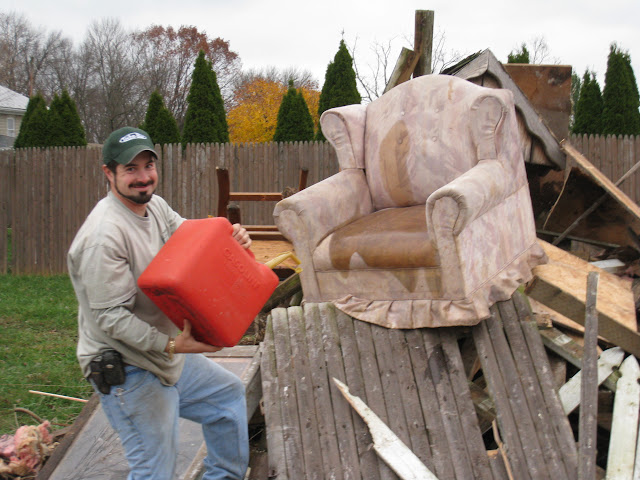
{"points": [[117, 95], [373, 76], [24, 53], [168, 56], [301, 78]]}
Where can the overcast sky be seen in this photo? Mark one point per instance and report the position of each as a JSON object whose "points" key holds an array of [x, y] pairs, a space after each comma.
{"points": [[284, 33]]}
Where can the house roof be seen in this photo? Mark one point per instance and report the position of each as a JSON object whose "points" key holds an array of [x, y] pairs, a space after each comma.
{"points": [[12, 102], [483, 62]]}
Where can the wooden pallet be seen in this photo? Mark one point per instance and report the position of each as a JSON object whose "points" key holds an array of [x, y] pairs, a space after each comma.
{"points": [[415, 381]]}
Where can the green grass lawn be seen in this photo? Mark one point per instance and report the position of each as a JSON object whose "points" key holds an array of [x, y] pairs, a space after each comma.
{"points": [[38, 335]]}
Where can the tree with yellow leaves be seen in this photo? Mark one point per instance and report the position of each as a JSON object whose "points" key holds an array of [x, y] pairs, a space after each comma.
{"points": [[255, 114]]}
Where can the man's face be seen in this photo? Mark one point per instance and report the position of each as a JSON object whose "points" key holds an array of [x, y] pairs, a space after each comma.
{"points": [[137, 180]]}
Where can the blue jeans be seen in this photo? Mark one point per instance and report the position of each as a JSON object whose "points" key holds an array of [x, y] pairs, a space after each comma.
{"points": [[145, 414]]}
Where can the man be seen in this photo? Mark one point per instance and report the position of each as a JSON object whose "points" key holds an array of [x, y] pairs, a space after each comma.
{"points": [[163, 374]]}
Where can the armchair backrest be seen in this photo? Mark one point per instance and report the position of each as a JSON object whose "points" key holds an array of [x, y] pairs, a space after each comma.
{"points": [[423, 134]]}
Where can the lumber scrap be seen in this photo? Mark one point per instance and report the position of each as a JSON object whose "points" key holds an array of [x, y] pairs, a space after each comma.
{"points": [[592, 206], [403, 70], [602, 180], [562, 287], [388, 446], [283, 291], [570, 392], [570, 350], [587, 432], [273, 414], [615, 295], [624, 430]]}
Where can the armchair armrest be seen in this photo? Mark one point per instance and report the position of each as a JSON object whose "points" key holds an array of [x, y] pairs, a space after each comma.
{"points": [[344, 128], [311, 214], [474, 193]]}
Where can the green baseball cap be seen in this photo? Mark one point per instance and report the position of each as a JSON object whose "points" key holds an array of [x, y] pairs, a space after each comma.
{"points": [[125, 143]]}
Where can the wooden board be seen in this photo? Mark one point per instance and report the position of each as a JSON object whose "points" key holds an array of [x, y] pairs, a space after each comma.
{"points": [[607, 224], [562, 288], [96, 452], [601, 179], [615, 297]]}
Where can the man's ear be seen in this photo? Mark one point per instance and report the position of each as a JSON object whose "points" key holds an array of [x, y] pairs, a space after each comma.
{"points": [[108, 173]]}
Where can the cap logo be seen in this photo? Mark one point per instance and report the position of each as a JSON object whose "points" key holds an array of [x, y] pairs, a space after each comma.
{"points": [[132, 136]]}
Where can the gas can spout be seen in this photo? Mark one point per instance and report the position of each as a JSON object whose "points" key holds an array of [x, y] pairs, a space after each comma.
{"points": [[281, 258]]}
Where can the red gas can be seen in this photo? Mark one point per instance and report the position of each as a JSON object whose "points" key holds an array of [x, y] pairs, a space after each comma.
{"points": [[204, 275]]}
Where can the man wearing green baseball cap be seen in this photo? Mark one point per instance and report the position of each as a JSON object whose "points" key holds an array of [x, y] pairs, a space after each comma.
{"points": [[146, 372]]}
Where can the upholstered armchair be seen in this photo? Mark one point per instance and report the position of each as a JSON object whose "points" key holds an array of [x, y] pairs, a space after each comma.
{"points": [[429, 220]]}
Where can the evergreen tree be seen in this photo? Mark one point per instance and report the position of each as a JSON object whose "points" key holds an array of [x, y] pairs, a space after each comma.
{"points": [[205, 120], [159, 123], [576, 85], [294, 119], [339, 84], [521, 56], [620, 115], [588, 116], [306, 121], [55, 127], [34, 126], [218, 105], [74, 131], [64, 126]]}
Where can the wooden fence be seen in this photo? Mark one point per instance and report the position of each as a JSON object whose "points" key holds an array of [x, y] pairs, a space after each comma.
{"points": [[45, 195], [613, 155]]}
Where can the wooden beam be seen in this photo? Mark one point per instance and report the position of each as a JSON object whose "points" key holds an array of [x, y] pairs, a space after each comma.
{"points": [[222, 175], [423, 41], [405, 66], [602, 180], [255, 196], [302, 178], [609, 187], [282, 292], [546, 289], [588, 424]]}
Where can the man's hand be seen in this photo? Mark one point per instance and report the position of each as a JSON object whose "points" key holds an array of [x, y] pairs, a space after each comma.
{"points": [[241, 235], [185, 343]]}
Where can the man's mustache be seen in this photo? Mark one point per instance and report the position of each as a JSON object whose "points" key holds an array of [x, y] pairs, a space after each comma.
{"points": [[141, 184]]}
